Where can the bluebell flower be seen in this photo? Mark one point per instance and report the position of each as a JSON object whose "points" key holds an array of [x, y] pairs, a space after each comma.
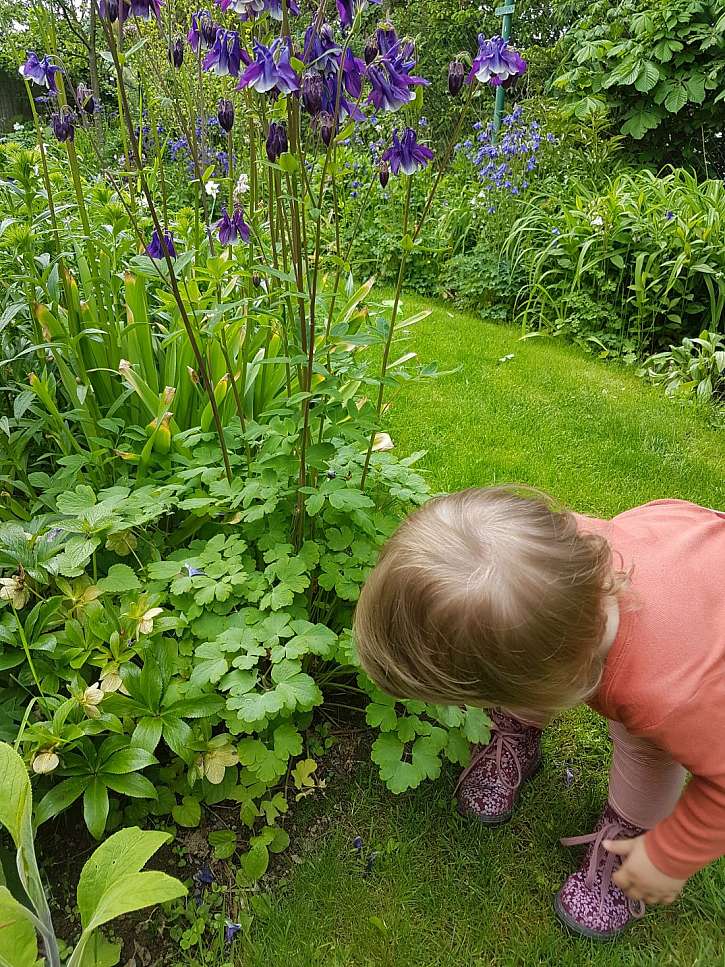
{"points": [[40, 71], [406, 154], [155, 250], [495, 62], [271, 70], [226, 56]]}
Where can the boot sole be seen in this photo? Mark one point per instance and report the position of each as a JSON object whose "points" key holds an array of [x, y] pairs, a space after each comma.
{"points": [[582, 931], [503, 818]]}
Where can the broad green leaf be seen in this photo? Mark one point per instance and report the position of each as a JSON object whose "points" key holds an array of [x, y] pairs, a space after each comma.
{"points": [[131, 784], [101, 952], [120, 578], [134, 891], [381, 716], [224, 843], [296, 689], [676, 96], [187, 813], [95, 807], [18, 940], [126, 851], [147, 733], [287, 740], [16, 798], [647, 78], [128, 760], [59, 798], [254, 863]]}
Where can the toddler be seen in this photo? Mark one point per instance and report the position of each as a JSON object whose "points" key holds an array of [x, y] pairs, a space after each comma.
{"points": [[492, 597]]}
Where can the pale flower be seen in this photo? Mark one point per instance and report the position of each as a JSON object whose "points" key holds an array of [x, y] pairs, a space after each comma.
{"points": [[214, 763], [91, 699], [597, 220], [45, 762], [146, 622], [110, 682], [18, 127], [212, 188], [382, 442], [242, 186], [13, 590]]}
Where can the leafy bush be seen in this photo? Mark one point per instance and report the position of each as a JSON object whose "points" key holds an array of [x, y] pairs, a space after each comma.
{"points": [[648, 63], [694, 368], [632, 268], [111, 883]]}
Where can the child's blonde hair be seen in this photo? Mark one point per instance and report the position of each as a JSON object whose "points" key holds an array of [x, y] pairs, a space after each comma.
{"points": [[489, 597]]}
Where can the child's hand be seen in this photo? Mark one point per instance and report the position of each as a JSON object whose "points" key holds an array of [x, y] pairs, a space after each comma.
{"points": [[638, 877]]}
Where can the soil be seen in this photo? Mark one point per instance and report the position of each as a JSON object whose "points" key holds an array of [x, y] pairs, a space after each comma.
{"points": [[65, 845]]}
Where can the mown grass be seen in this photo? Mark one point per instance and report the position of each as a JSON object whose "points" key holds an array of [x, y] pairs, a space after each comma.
{"points": [[445, 892]]}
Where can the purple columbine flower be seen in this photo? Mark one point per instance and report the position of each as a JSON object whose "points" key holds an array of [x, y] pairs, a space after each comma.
{"points": [[321, 50], [231, 930], [456, 77], [312, 88], [144, 9], [391, 80], [63, 124], [495, 62], [231, 229], [225, 114], [41, 72], [338, 105], [111, 10], [85, 100], [353, 70], [274, 8], [226, 56], [349, 8], [176, 52], [202, 32], [406, 154], [271, 70], [245, 9], [277, 142], [155, 250], [194, 572]]}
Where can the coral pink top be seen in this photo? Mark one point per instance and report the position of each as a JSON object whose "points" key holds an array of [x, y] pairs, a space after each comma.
{"points": [[664, 678]]}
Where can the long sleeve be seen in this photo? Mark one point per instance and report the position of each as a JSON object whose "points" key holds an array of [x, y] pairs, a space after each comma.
{"points": [[694, 834]]}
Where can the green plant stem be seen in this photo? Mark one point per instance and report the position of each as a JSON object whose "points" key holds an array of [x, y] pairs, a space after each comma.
{"points": [[391, 330]]}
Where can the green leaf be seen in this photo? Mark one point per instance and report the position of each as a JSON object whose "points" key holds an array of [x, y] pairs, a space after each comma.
{"points": [[95, 807], [163, 570], [188, 813], [254, 863], [126, 851], [16, 798], [288, 162], [314, 504], [120, 578], [73, 560], [131, 784], [59, 798], [641, 120], [287, 740], [147, 733], [101, 952], [74, 502], [350, 499], [134, 891], [128, 760], [676, 96], [18, 941], [382, 717], [457, 747], [224, 843], [696, 88], [477, 727], [647, 78], [295, 688]]}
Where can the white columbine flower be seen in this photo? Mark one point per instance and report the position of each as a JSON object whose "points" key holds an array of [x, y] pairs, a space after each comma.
{"points": [[212, 188], [18, 127], [597, 220], [242, 184]]}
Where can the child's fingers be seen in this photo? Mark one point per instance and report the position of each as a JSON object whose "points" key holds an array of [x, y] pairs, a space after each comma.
{"points": [[619, 846]]}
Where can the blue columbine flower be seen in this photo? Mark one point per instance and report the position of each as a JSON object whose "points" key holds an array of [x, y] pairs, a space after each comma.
{"points": [[85, 100], [391, 80], [154, 249], [231, 229], [321, 50], [495, 62], [63, 124], [226, 55], [202, 32], [271, 70], [406, 154], [231, 930], [348, 8], [176, 52], [353, 69], [143, 9], [111, 10], [41, 72], [274, 8], [312, 89]]}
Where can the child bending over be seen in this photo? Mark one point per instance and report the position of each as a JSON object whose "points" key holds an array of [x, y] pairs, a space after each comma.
{"points": [[491, 597]]}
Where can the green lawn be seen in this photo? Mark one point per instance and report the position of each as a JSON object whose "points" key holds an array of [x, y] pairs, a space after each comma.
{"points": [[445, 892]]}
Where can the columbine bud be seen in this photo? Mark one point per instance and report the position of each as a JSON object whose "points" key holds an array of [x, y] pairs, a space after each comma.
{"points": [[312, 92], [257, 279], [277, 142], [176, 52], [371, 49], [225, 114], [384, 173], [63, 124], [85, 99], [326, 127], [456, 77]]}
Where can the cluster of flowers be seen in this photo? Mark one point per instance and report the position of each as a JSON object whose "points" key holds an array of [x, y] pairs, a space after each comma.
{"points": [[507, 163], [42, 71]]}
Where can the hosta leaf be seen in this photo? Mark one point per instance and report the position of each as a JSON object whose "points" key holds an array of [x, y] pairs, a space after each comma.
{"points": [[126, 851], [18, 940]]}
